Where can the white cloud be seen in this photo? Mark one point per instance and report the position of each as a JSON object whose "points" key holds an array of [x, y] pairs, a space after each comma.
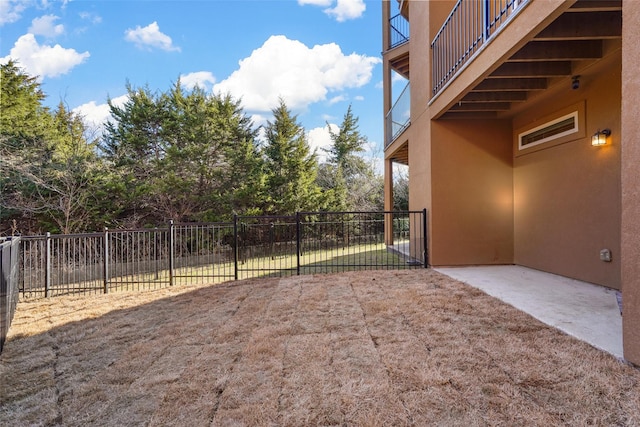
{"points": [[96, 115], [343, 9], [150, 37], [347, 9], [46, 26], [337, 99], [359, 98], [319, 140], [259, 120], [323, 3], [11, 10], [91, 17], [299, 74], [44, 60], [203, 79], [396, 77]]}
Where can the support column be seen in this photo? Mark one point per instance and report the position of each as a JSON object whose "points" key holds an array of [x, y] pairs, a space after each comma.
{"points": [[388, 201], [386, 107], [630, 158]]}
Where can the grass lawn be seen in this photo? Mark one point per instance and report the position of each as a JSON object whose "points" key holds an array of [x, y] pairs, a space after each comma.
{"points": [[365, 348], [329, 260]]}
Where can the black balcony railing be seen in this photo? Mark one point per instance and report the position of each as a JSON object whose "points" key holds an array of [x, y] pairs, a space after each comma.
{"points": [[398, 31], [469, 26]]}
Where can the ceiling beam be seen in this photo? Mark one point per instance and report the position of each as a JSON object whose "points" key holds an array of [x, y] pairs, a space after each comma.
{"points": [[481, 106], [576, 35], [511, 84], [574, 50], [470, 115], [495, 97], [401, 155], [595, 5], [533, 69], [401, 65], [583, 26]]}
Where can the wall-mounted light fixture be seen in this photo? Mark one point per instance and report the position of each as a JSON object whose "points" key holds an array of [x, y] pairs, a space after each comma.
{"points": [[575, 82], [600, 137]]}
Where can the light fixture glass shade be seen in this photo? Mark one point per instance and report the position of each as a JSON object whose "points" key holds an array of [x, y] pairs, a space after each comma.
{"points": [[600, 137]]}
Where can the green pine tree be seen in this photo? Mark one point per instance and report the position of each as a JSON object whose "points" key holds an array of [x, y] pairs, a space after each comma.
{"points": [[48, 169], [291, 167], [352, 181]]}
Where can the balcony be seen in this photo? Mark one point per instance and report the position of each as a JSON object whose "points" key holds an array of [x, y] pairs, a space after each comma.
{"points": [[399, 117], [469, 26], [569, 41], [398, 31], [398, 45]]}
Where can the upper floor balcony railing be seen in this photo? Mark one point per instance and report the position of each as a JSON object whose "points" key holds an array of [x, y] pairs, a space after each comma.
{"points": [[470, 25], [399, 117], [398, 31]]}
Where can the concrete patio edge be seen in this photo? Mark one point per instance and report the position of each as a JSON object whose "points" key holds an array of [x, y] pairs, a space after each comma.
{"points": [[583, 310]]}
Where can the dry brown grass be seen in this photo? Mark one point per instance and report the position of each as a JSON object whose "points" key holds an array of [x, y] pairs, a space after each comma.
{"points": [[363, 348]]}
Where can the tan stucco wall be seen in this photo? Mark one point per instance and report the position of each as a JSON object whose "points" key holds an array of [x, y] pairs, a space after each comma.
{"points": [[631, 181], [439, 10], [460, 171], [420, 167], [417, 133], [567, 196], [472, 192], [568, 201]]}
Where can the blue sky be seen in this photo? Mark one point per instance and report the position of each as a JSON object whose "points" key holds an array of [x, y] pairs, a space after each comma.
{"points": [[319, 55]]}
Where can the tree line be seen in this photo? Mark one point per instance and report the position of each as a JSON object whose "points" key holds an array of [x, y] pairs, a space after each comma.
{"points": [[180, 154]]}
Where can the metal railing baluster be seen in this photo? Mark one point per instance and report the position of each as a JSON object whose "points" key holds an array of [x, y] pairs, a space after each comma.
{"points": [[470, 24]]}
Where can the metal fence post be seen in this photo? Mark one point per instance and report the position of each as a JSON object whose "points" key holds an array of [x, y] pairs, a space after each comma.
{"points": [[272, 237], [424, 238], [486, 31], [47, 266], [235, 247], [171, 252], [105, 263], [155, 251], [298, 240]]}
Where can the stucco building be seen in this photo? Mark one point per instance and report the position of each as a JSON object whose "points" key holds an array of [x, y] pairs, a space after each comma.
{"points": [[520, 125]]}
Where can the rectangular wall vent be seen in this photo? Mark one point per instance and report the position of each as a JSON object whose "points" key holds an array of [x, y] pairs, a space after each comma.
{"points": [[549, 131]]}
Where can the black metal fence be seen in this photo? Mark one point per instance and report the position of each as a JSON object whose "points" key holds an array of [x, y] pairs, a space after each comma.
{"points": [[326, 242], [305, 243], [126, 259], [9, 256]]}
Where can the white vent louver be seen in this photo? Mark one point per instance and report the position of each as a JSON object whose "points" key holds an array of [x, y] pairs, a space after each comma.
{"points": [[549, 131]]}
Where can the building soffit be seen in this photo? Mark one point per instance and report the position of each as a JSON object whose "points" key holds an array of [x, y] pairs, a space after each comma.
{"points": [[398, 150], [576, 38]]}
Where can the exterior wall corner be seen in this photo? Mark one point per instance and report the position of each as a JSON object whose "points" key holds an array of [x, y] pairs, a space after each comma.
{"points": [[630, 246]]}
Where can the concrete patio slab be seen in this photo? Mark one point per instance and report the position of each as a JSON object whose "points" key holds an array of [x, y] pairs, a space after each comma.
{"points": [[588, 312]]}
